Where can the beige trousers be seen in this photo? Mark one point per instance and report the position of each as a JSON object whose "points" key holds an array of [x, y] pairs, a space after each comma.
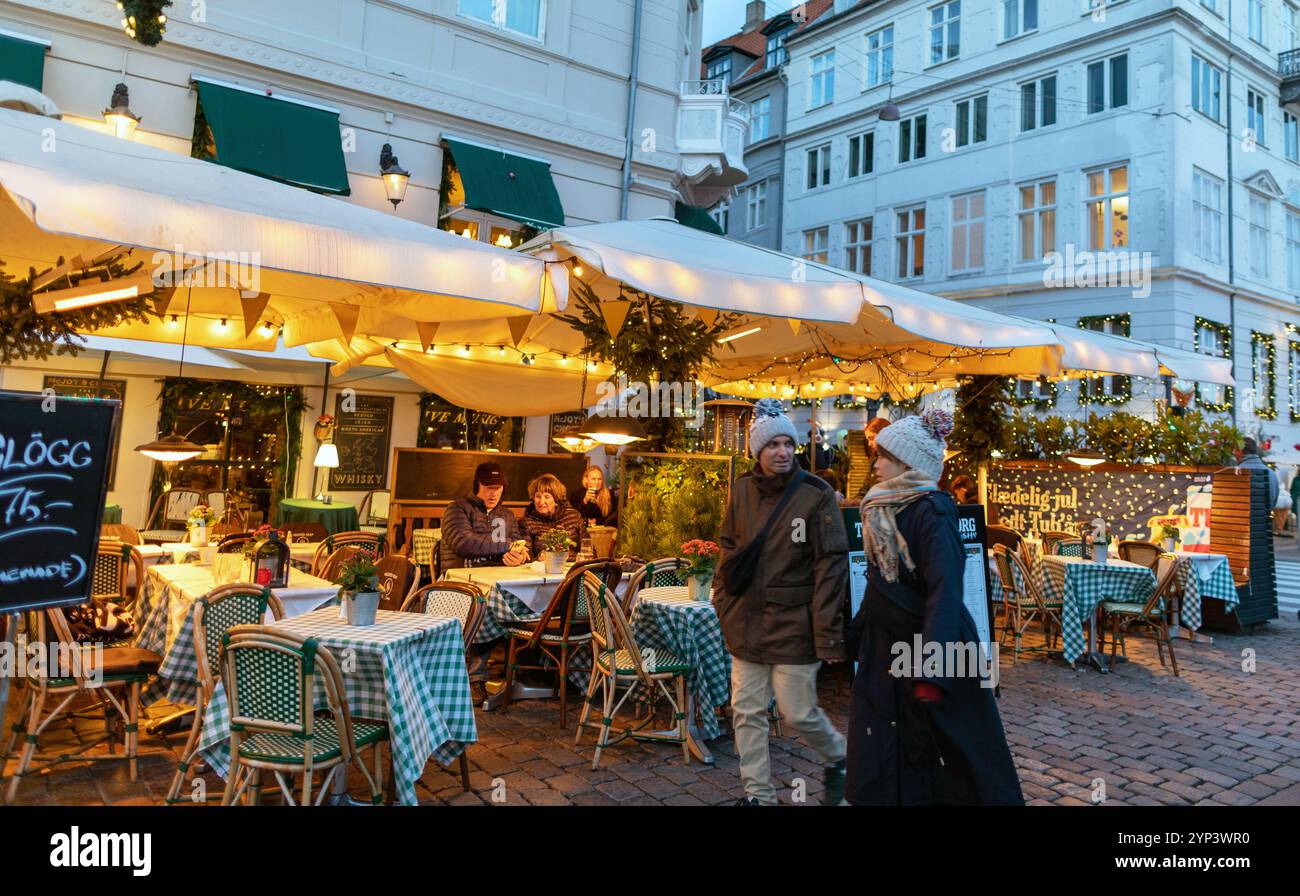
{"points": [[795, 687]]}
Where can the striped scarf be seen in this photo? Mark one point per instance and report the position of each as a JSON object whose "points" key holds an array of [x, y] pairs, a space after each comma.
{"points": [[880, 535]]}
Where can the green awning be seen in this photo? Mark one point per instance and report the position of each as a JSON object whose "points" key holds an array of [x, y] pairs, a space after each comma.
{"points": [[511, 186], [22, 61], [278, 139], [694, 216]]}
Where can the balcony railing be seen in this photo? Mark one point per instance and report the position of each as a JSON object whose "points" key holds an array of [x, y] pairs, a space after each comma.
{"points": [[1288, 63]]}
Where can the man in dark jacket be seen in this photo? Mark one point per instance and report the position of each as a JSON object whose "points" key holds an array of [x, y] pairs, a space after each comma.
{"points": [[477, 530], [789, 620]]}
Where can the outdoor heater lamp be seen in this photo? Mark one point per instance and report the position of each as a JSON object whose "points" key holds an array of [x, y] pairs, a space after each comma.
{"points": [[1086, 457], [121, 120], [395, 176], [96, 292], [170, 449], [610, 430]]}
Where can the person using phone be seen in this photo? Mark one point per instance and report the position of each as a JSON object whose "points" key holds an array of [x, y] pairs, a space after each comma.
{"points": [[477, 530]]}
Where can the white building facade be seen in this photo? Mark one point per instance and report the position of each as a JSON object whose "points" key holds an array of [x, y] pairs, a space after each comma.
{"points": [[1034, 138]]}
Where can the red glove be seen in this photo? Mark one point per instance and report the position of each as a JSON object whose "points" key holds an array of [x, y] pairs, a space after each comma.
{"points": [[926, 692]]}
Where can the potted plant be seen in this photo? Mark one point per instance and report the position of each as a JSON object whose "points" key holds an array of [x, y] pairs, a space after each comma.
{"points": [[359, 581], [704, 562], [556, 545], [200, 518], [1169, 538]]}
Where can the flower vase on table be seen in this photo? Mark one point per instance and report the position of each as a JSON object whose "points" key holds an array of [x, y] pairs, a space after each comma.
{"points": [[198, 522], [703, 562], [555, 545], [360, 588]]}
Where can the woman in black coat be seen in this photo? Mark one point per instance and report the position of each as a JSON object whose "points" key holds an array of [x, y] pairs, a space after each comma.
{"points": [[920, 734]]}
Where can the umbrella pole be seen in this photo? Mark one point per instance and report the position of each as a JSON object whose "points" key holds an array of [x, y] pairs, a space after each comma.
{"points": [[812, 436]]}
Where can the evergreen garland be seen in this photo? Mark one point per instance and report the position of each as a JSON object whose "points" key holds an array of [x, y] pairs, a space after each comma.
{"points": [[980, 422], [144, 20], [1225, 336], [26, 334]]}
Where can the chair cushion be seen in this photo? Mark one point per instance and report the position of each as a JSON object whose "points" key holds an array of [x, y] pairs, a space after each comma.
{"points": [[1120, 607], [130, 661], [324, 743], [625, 663], [164, 534]]}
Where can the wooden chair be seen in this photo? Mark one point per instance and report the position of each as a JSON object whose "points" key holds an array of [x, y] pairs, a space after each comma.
{"points": [[1051, 539], [114, 683], [166, 520], [215, 613], [118, 567], [331, 543], [1001, 535], [1071, 548], [328, 569], [655, 574], [122, 532], [561, 628], [1143, 553], [618, 660], [234, 542], [270, 679], [1152, 614], [1023, 601], [300, 533], [373, 512], [398, 580], [459, 600]]}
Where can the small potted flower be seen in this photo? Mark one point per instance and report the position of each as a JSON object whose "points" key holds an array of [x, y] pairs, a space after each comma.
{"points": [[703, 556], [200, 518], [359, 581], [1169, 538], [556, 545]]}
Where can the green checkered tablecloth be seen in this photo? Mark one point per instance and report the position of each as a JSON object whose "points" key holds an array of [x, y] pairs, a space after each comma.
{"points": [[666, 619], [1198, 576], [501, 608], [424, 542], [1081, 585], [407, 670]]}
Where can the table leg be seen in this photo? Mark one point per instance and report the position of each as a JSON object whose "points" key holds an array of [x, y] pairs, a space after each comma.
{"points": [[1093, 656], [518, 691], [694, 737]]}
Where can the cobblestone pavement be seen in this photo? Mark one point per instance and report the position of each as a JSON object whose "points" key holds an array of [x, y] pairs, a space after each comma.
{"points": [[1217, 735]]}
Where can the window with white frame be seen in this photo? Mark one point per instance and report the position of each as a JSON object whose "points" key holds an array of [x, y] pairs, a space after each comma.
{"points": [[1207, 216], [967, 233], [1255, 114], [909, 238], [1291, 136], [1211, 5], [862, 154], [721, 215], [816, 244], [880, 56], [1292, 251], [819, 166], [1210, 340], [972, 118], [720, 69], [1039, 389], [776, 52], [527, 17], [945, 31], [1107, 207], [1038, 103], [756, 206], [911, 139], [1260, 235], [1019, 17], [760, 119], [1255, 20], [823, 79], [1207, 84], [858, 236], [1107, 83], [1263, 374], [1037, 216]]}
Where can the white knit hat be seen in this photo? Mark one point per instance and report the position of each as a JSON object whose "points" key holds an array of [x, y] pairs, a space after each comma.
{"points": [[769, 422], [919, 441]]}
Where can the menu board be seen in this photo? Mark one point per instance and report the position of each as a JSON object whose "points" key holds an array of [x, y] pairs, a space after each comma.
{"points": [[53, 481], [91, 387], [362, 441], [976, 593], [569, 423]]}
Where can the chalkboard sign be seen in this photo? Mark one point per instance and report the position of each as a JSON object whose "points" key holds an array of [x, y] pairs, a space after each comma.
{"points": [[430, 474], [53, 465], [91, 387], [362, 441], [568, 423]]}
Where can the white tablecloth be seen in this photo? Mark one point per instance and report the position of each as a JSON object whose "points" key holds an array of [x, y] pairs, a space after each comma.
{"points": [[529, 583]]}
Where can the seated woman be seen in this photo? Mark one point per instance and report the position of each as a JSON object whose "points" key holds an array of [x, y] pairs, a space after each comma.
{"points": [[597, 506], [549, 510]]}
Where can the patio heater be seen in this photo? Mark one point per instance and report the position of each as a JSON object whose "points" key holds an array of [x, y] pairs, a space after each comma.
{"points": [[612, 431]]}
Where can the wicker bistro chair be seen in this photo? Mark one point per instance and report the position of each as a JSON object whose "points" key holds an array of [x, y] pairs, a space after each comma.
{"points": [[167, 517], [459, 600], [215, 613], [1143, 553], [1023, 600], [1069, 548], [111, 578], [1004, 536], [300, 533], [270, 680], [122, 532], [398, 580], [618, 660], [234, 542], [655, 574], [1152, 614], [1051, 539], [562, 627], [115, 682], [332, 543]]}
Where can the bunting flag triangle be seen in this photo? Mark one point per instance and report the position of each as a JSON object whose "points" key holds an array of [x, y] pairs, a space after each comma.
{"points": [[614, 313], [518, 326], [253, 308], [427, 330], [795, 324], [707, 315], [346, 315], [162, 299]]}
